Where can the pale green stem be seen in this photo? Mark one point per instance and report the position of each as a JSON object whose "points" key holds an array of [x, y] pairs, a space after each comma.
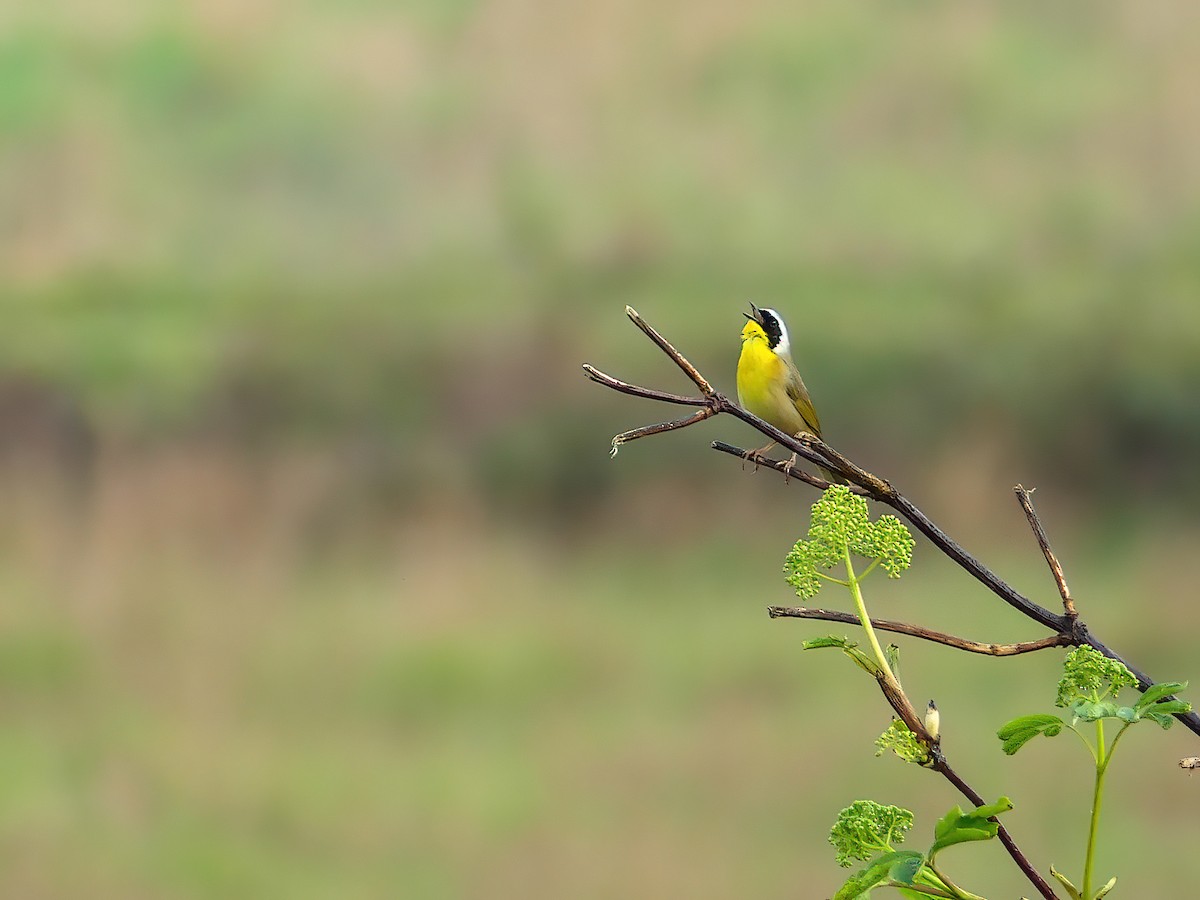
{"points": [[831, 578], [1090, 748], [955, 891], [1097, 796], [868, 570], [866, 622], [922, 889], [1124, 728]]}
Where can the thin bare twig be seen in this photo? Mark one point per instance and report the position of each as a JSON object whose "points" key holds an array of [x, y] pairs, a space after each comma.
{"points": [[666, 347], [919, 631], [791, 471], [646, 430], [1026, 501], [635, 391]]}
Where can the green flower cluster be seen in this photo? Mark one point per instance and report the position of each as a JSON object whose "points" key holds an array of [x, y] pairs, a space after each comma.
{"points": [[1090, 675], [840, 522], [901, 741], [866, 828]]}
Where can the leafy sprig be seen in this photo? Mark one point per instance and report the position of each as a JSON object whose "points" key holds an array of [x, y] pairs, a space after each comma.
{"points": [[1090, 675], [1089, 688], [868, 831]]}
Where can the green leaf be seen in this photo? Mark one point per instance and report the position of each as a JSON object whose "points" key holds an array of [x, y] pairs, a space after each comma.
{"points": [[1156, 692], [1021, 723], [957, 827], [1170, 707], [892, 654], [1002, 805], [879, 871], [1020, 731], [1066, 882], [961, 835], [863, 661], [946, 823], [1089, 711], [1164, 720], [904, 870], [847, 646], [1128, 714], [1108, 886], [830, 640]]}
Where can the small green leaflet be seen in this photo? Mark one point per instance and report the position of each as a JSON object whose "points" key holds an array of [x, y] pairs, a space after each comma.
{"points": [[957, 827], [1021, 730], [894, 866], [847, 646], [1156, 692]]}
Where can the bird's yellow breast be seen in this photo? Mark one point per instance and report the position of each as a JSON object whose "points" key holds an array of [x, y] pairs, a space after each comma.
{"points": [[762, 384]]}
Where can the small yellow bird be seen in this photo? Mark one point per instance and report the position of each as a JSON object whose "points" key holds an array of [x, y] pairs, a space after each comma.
{"points": [[768, 383]]}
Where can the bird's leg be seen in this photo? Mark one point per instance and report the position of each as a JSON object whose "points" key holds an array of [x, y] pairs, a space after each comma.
{"points": [[800, 436], [791, 462], [755, 454]]}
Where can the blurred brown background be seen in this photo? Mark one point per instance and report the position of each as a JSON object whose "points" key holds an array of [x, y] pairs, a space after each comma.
{"points": [[317, 580]]}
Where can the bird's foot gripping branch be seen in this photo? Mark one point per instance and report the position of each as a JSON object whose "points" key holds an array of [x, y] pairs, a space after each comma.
{"points": [[842, 533]]}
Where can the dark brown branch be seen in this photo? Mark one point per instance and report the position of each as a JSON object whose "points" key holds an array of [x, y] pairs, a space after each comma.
{"points": [[918, 631], [941, 766], [646, 430], [1026, 501], [784, 466], [665, 346], [880, 490], [635, 391]]}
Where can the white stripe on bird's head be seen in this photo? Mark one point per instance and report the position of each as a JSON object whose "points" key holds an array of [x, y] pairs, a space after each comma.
{"points": [[777, 333]]}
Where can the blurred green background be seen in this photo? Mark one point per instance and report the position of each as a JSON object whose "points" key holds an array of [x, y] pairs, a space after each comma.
{"points": [[317, 580]]}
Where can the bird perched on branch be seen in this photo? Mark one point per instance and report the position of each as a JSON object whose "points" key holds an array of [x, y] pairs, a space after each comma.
{"points": [[769, 384]]}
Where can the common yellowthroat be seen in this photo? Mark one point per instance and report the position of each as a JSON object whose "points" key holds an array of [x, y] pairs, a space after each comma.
{"points": [[769, 384]]}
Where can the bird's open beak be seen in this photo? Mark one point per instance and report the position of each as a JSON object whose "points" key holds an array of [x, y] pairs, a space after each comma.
{"points": [[756, 317]]}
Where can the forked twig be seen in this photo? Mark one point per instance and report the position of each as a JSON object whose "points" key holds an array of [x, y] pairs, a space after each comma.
{"points": [[1056, 570]]}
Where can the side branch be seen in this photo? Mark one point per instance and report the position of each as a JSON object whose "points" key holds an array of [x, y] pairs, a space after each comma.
{"points": [[665, 346], [918, 631], [646, 430], [782, 465], [637, 391], [1024, 498]]}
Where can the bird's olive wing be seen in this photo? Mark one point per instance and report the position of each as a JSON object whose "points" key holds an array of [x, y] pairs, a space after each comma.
{"points": [[798, 394]]}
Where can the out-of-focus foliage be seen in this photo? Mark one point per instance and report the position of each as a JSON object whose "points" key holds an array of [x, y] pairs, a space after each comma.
{"points": [[317, 580]]}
